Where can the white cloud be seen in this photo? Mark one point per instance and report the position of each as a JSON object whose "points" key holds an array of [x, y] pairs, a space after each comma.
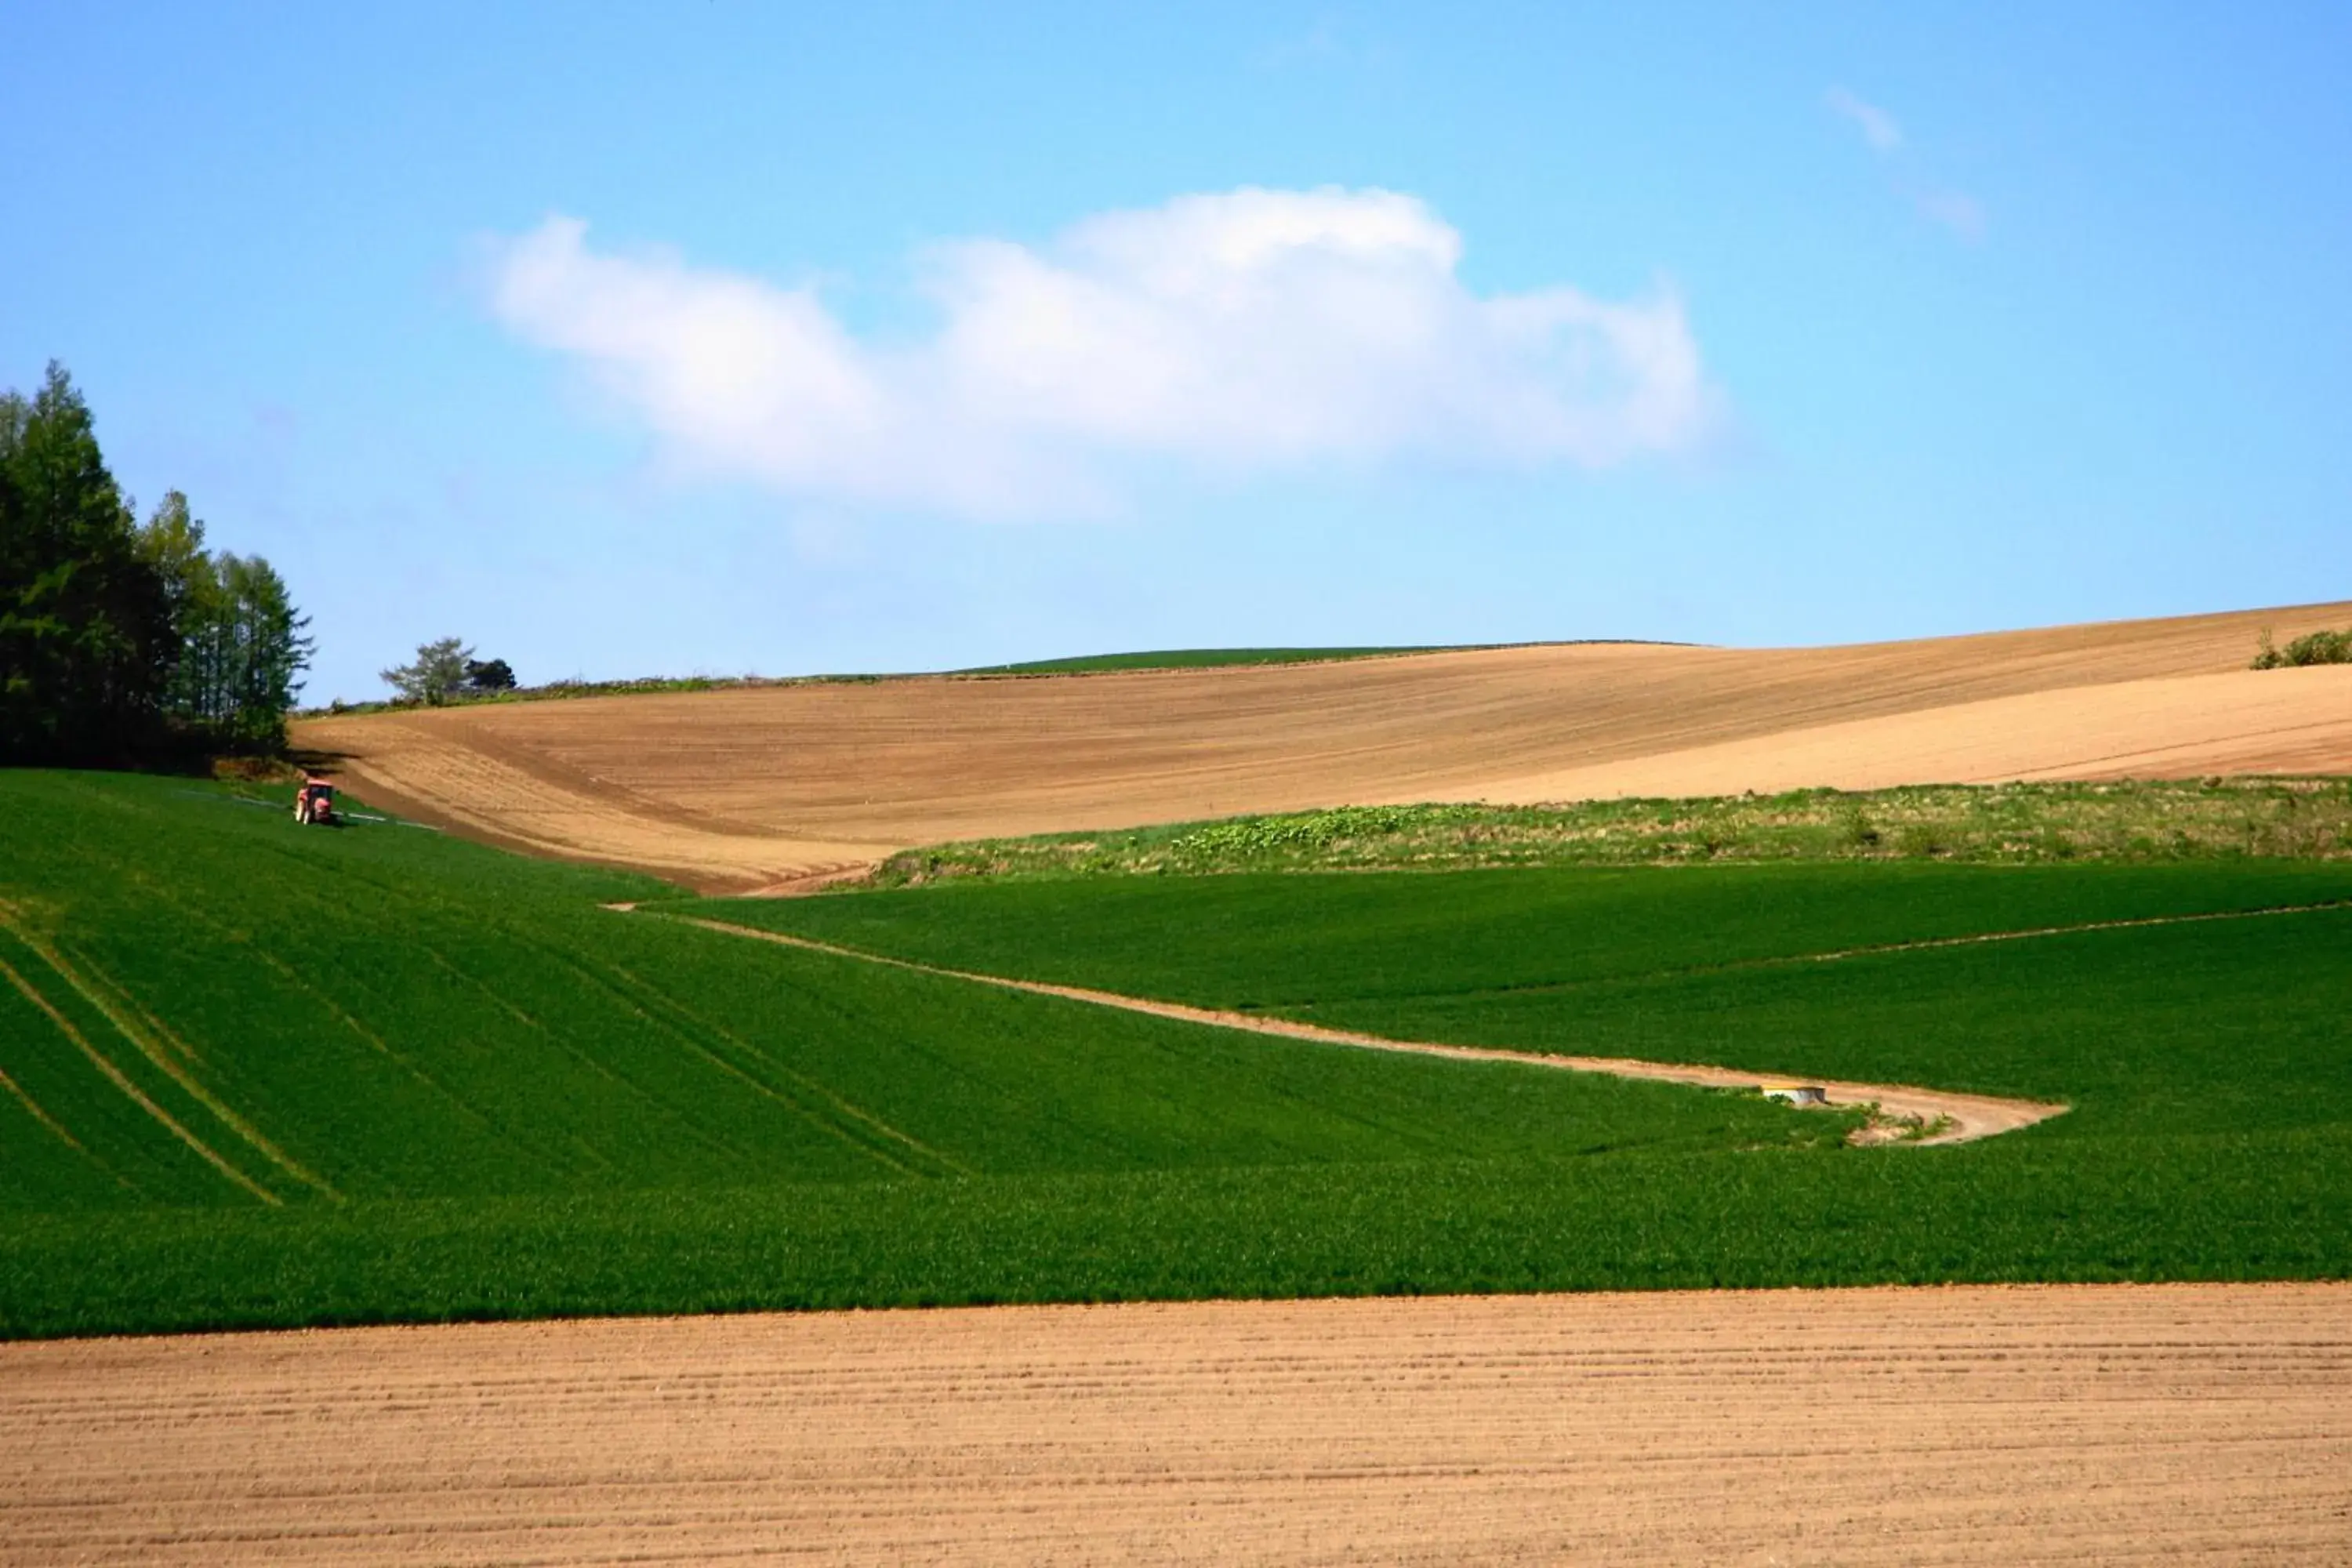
{"points": [[1242, 331], [1877, 127]]}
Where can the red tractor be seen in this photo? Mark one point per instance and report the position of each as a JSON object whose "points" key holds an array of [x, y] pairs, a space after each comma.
{"points": [[314, 804]]}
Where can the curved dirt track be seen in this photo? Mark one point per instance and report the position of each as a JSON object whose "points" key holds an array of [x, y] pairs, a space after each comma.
{"points": [[2144, 1424], [1943, 1116], [740, 789]]}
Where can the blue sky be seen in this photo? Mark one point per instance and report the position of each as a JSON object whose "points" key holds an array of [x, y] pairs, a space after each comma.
{"points": [[718, 337]]}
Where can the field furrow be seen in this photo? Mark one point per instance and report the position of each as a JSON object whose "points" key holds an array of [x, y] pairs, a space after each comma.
{"points": [[2180, 1423]]}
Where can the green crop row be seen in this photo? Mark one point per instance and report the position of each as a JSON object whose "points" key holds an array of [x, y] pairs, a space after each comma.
{"points": [[2024, 1209]]}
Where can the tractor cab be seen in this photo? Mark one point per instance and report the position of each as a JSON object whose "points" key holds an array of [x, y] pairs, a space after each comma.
{"points": [[314, 804]]}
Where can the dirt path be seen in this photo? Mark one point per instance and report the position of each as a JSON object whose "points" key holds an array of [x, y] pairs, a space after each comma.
{"points": [[1914, 1115], [738, 789], [2107, 1424]]}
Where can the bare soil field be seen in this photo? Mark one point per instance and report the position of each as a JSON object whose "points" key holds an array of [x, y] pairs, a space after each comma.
{"points": [[734, 790], [2174, 1424]]}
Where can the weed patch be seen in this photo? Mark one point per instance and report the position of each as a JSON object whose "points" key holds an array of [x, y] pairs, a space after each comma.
{"points": [[2290, 818]]}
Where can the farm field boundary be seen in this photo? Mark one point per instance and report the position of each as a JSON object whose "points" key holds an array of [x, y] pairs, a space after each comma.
{"points": [[1900, 1113]]}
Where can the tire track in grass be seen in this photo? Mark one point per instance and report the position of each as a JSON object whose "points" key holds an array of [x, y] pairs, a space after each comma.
{"points": [[863, 1126], [2032, 933], [117, 1007], [862, 1130], [333, 1009], [39, 1115], [899, 1138], [555, 1041], [115, 1075], [499, 1131], [1923, 944], [1912, 1115], [680, 1125], [848, 1117]]}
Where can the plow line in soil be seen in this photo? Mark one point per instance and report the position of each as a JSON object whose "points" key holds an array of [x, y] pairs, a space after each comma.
{"points": [[1899, 1112], [2164, 1423]]}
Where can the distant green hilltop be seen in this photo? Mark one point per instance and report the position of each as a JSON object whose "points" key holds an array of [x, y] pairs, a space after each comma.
{"points": [[1085, 664]]}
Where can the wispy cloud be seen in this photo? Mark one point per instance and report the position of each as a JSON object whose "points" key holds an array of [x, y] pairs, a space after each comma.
{"points": [[1240, 332], [1335, 41], [1879, 128], [1956, 210], [1320, 45]]}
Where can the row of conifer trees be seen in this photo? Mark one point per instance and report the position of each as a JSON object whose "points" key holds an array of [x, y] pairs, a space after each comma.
{"points": [[123, 642]]}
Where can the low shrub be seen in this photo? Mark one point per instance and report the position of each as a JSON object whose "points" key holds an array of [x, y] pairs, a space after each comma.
{"points": [[1249, 837], [2316, 647]]}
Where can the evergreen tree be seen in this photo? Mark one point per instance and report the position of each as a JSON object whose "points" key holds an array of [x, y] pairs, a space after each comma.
{"points": [[173, 542], [241, 648], [268, 652], [86, 643], [489, 675], [116, 638]]}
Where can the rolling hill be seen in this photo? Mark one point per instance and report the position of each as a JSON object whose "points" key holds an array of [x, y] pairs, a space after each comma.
{"points": [[736, 790]]}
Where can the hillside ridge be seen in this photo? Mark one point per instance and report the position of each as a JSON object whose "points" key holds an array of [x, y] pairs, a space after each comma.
{"points": [[744, 788]]}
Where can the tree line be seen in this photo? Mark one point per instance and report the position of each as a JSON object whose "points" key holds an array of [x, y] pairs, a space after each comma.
{"points": [[122, 642]]}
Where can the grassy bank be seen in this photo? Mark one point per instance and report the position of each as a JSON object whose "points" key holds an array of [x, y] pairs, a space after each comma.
{"points": [[2305, 818]]}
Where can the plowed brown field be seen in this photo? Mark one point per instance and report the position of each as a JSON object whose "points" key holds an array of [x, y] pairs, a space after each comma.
{"points": [[736, 789], [2168, 1423]]}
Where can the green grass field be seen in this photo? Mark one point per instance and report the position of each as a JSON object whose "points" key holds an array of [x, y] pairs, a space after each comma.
{"points": [[205, 1009], [2232, 1024], [256, 1075]]}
